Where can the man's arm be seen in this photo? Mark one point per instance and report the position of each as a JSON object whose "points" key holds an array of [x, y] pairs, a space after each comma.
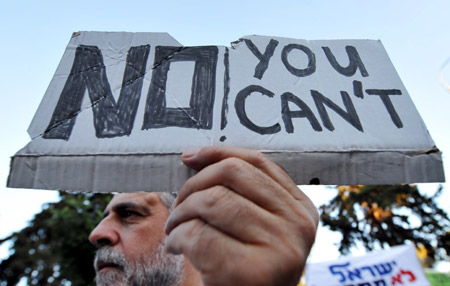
{"points": [[241, 220]]}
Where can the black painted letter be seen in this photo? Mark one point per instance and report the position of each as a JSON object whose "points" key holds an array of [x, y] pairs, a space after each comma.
{"points": [[384, 95], [310, 69], [199, 114], [239, 104], [263, 58], [111, 119], [305, 111], [350, 115], [355, 62]]}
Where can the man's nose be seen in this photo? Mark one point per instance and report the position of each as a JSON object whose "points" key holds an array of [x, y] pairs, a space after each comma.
{"points": [[104, 234]]}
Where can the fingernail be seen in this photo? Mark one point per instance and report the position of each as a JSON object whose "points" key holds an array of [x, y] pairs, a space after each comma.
{"points": [[173, 251], [191, 152]]}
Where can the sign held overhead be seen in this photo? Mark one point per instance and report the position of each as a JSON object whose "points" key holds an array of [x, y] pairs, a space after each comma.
{"points": [[330, 112]]}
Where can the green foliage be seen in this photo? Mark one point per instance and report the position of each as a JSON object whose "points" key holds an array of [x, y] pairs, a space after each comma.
{"points": [[54, 249], [439, 279], [388, 215]]}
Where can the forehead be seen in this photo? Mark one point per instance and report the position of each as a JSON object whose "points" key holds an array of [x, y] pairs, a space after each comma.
{"points": [[142, 199]]}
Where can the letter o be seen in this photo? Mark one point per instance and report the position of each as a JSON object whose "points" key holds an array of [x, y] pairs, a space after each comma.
{"points": [[295, 71]]}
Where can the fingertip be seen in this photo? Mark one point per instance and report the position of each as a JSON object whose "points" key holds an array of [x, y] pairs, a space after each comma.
{"points": [[166, 227], [190, 153], [173, 245], [191, 158], [170, 222], [172, 250]]}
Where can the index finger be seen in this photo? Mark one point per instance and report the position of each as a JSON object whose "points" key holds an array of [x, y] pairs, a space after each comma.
{"points": [[200, 158]]}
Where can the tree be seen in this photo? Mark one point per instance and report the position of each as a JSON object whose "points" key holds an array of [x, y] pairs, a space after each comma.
{"points": [[54, 249], [388, 215]]}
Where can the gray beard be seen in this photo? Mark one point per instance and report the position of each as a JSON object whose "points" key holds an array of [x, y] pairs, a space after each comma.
{"points": [[159, 269]]}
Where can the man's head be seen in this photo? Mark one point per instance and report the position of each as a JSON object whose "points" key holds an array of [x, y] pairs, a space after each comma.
{"points": [[131, 242]]}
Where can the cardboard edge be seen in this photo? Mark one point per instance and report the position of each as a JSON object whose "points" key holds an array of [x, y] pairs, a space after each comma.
{"points": [[365, 168], [150, 172]]}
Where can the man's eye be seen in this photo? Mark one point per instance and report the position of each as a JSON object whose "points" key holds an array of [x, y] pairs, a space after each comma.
{"points": [[128, 213]]}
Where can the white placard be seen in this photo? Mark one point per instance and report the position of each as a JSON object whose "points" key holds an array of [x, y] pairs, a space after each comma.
{"points": [[398, 266], [330, 112]]}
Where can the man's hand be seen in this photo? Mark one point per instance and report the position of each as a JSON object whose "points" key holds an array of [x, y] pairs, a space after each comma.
{"points": [[241, 220]]}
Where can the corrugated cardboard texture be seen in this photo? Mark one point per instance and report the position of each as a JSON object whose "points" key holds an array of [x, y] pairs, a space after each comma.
{"points": [[167, 173]]}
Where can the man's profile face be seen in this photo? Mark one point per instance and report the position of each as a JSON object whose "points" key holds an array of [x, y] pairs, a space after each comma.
{"points": [[131, 233]]}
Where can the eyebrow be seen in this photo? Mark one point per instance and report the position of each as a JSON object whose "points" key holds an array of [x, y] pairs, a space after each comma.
{"points": [[128, 205]]}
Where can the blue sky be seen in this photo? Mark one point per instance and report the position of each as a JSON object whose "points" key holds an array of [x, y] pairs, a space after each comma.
{"points": [[35, 33]]}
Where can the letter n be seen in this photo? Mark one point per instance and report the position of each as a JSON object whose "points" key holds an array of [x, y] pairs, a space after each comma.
{"points": [[304, 111], [349, 114], [199, 113], [88, 71]]}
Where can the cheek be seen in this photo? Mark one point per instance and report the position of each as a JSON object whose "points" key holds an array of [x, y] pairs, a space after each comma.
{"points": [[142, 241]]}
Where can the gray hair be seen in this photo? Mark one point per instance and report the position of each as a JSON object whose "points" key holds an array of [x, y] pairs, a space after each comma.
{"points": [[154, 269], [168, 199]]}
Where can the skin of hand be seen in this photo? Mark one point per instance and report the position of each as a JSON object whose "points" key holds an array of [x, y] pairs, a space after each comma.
{"points": [[241, 220]]}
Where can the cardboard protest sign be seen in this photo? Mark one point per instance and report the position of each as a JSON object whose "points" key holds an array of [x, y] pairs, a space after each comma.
{"points": [[397, 266], [123, 106]]}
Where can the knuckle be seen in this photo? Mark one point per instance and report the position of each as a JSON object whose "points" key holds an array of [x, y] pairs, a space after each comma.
{"points": [[316, 217], [232, 167], [311, 212], [232, 164], [304, 221], [195, 231], [219, 200], [261, 159], [308, 229], [214, 195]]}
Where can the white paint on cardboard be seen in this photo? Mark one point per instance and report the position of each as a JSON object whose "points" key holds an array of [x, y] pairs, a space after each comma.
{"points": [[126, 94]]}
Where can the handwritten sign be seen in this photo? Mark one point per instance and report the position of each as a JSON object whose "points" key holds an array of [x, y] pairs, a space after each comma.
{"points": [[395, 267], [122, 106]]}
